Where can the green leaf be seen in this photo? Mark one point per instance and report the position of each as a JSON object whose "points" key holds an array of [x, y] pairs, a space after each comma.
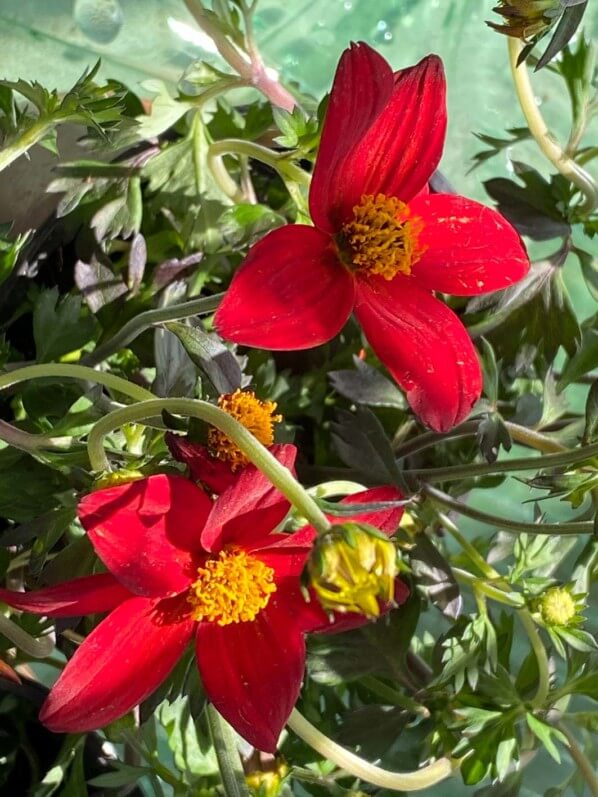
{"points": [[27, 488], [217, 362], [434, 576], [243, 224], [586, 358], [125, 775], [546, 734], [564, 32], [366, 385], [590, 434], [60, 326], [589, 269], [496, 144], [584, 684]]}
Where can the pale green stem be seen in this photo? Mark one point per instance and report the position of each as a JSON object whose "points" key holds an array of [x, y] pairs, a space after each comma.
{"points": [[457, 472], [227, 755], [584, 765], [475, 557], [25, 441], [36, 648], [72, 371], [576, 527], [340, 487], [235, 431], [545, 140], [533, 439], [490, 591], [289, 172], [152, 758], [370, 773], [133, 328], [24, 143], [540, 652]]}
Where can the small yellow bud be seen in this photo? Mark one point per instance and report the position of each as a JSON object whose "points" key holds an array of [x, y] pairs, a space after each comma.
{"points": [[558, 606], [351, 567], [267, 783], [117, 478]]}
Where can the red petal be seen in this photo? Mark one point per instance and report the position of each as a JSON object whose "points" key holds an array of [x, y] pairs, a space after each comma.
{"points": [[214, 473], [252, 672], [363, 85], [291, 292], [120, 663], [402, 148], [249, 509], [470, 248], [387, 520], [88, 595], [424, 346], [143, 531]]}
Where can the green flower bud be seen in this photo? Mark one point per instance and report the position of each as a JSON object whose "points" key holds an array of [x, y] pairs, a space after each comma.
{"points": [[525, 19], [558, 606]]}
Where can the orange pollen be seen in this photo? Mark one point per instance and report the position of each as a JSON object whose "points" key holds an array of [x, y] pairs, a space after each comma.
{"points": [[382, 237], [255, 415], [232, 587]]}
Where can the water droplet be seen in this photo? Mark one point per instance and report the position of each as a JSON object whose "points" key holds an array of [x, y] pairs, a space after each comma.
{"points": [[347, 5], [99, 20], [382, 25], [387, 36]]}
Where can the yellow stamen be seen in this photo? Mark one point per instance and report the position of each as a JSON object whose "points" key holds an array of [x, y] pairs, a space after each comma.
{"points": [[232, 587], [557, 606], [255, 415], [382, 237]]}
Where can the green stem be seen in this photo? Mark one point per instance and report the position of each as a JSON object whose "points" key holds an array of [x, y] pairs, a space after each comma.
{"points": [[152, 758], [36, 648], [438, 497], [290, 172], [133, 328], [72, 371], [392, 696], [227, 755], [585, 767], [489, 590], [474, 556], [570, 170], [25, 441], [456, 472], [193, 408], [540, 651], [24, 143], [397, 781]]}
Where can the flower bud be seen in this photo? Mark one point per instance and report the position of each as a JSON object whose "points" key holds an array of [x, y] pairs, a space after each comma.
{"points": [[525, 19], [117, 478], [558, 606], [352, 567]]}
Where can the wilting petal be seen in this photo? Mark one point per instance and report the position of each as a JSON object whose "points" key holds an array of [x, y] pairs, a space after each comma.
{"points": [[291, 292], [120, 663], [87, 595], [424, 346], [143, 531], [340, 622], [469, 248], [402, 148], [252, 672], [214, 473], [250, 508], [363, 85]]}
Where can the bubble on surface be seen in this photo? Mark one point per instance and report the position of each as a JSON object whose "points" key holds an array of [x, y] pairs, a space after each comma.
{"points": [[99, 20]]}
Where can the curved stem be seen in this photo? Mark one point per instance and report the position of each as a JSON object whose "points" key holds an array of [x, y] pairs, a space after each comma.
{"points": [[397, 781], [193, 408], [537, 127], [437, 496], [540, 651], [227, 755], [454, 472], [585, 767], [36, 648], [25, 441], [533, 439], [72, 371], [133, 328], [289, 172]]}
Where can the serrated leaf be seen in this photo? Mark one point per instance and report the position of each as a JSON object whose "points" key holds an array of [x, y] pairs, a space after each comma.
{"points": [[59, 325], [361, 443], [545, 733], [564, 32], [586, 358], [434, 577], [98, 284]]}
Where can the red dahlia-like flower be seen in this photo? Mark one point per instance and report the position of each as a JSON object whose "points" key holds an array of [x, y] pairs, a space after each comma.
{"points": [[185, 568], [381, 244]]}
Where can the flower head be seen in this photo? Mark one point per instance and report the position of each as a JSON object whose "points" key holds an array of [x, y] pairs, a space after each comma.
{"points": [[352, 568], [217, 463], [381, 244], [560, 606], [525, 19], [183, 568]]}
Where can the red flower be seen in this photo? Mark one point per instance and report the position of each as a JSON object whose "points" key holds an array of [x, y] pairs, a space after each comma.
{"points": [[381, 243], [185, 568]]}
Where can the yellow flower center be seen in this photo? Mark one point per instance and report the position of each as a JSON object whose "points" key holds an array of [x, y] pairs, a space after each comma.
{"points": [[232, 587], [382, 238], [558, 606], [255, 415]]}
